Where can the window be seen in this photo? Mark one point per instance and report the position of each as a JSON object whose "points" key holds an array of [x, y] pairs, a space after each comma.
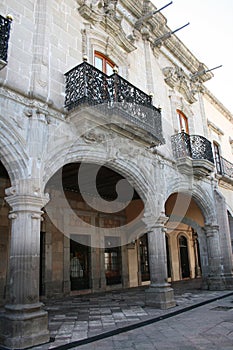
{"points": [[144, 258], [169, 275], [79, 263], [217, 158], [103, 63], [182, 122], [112, 260], [184, 257]]}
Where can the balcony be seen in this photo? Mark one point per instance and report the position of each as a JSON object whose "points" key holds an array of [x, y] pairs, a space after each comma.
{"points": [[193, 153], [225, 169], [5, 24], [114, 97]]}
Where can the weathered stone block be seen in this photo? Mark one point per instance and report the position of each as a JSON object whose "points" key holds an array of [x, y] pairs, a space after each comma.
{"points": [[161, 297], [23, 328]]}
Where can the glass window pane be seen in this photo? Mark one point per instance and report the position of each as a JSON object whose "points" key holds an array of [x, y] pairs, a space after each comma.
{"points": [[182, 122], [109, 69], [99, 63]]}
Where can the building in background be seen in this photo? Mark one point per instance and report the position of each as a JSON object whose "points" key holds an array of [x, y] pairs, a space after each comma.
{"points": [[116, 161]]}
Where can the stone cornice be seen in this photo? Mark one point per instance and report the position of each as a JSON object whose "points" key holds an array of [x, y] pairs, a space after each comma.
{"points": [[221, 108], [184, 55], [158, 27]]}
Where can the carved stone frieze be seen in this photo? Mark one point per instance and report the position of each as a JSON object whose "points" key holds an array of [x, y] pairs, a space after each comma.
{"points": [[176, 78], [30, 103]]}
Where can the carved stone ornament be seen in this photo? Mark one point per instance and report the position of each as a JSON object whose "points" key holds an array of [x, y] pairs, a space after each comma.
{"points": [[12, 216], [105, 14], [36, 216], [93, 137], [177, 79]]}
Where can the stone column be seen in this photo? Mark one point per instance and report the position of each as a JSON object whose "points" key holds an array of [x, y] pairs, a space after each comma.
{"points": [[224, 238], [24, 323], [160, 294], [215, 277]]}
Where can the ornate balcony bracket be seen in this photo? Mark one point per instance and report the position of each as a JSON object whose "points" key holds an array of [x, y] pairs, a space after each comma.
{"points": [[5, 24], [185, 165], [193, 153], [202, 167], [114, 97]]}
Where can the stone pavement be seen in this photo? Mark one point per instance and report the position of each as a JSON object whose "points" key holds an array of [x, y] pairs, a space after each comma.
{"points": [[80, 319], [208, 327]]}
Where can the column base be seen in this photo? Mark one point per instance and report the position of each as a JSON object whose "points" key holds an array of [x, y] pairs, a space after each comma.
{"points": [[66, 287], [23, 326], [216, 283], [160, 296], [228, 281]]}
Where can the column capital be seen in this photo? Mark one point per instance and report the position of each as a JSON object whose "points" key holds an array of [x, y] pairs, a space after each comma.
{"points": [[211, 225], [152, 222], [211, 229], [26, 202]]}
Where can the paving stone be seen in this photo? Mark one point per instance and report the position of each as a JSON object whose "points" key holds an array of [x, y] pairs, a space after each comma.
{"points": [[82, 317]]}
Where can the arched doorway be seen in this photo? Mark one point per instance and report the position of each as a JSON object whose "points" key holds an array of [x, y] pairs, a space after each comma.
{"points": [[184, 257], [169, 274], [186, 248], [87, 245], [4, 231]]}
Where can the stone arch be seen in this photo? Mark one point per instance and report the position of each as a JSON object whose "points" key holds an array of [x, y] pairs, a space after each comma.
{"points": [[13, 155], [207, 209], [126, 167], [122, 166], [201, 197]]}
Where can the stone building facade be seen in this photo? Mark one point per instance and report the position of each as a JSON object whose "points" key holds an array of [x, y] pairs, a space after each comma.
{"points": [[109, 175]]}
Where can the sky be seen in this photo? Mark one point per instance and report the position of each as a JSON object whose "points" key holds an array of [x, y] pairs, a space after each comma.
{"points": [[209, 37]]}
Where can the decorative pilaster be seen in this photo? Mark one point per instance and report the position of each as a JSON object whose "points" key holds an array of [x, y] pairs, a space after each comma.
{"points": [[160, 294], [215, 278], [24, 323]]}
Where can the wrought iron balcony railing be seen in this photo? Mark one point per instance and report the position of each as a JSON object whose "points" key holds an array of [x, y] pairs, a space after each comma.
{"points": [[5, 24], [86, 84], [225, 168], [193, 146]]}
